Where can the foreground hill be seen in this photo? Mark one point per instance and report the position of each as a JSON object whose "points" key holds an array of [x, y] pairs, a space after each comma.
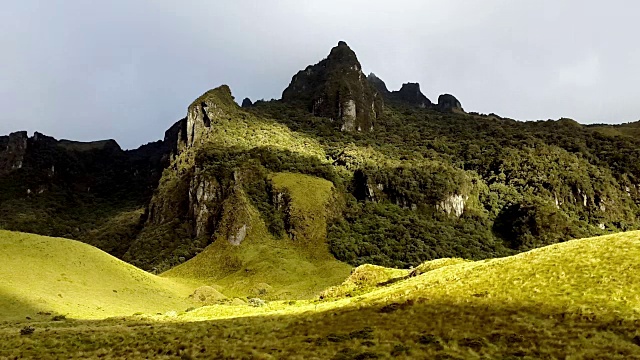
{"points": [[576, 300], [63, 277]]}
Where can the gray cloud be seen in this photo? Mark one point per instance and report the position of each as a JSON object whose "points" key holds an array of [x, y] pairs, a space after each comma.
{"points": [[127, 69]]}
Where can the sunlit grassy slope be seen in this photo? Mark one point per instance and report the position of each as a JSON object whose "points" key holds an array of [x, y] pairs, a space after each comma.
{"points": [[266, 267], [576, 300], [65, 277]]}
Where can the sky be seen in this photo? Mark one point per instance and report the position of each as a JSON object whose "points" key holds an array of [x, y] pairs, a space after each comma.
{"points": [[128, 69]]}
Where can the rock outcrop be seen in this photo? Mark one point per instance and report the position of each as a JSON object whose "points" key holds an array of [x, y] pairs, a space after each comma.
{"points": [[247, 103], [449, 103], [453, 205], [337, 89], [378, 84], [410, 94], [212, 106], [13, 149], [196, 196]]}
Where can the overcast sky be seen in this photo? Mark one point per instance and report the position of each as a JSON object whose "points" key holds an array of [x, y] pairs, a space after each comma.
{"points": [[128, 69]]}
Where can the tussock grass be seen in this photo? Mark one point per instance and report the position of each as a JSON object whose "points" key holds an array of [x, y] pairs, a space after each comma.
{"points": [[66, 277], [364, 278], [436, 264], [575, 300]]}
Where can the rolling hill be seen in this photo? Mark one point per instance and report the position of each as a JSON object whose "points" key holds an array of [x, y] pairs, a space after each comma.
{"points": [[578, 299], [54, 276]]}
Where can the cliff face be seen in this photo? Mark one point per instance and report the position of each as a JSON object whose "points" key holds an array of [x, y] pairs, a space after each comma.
{"points": [[336, 88], [73, 189], [13, 149], [189, 192]]}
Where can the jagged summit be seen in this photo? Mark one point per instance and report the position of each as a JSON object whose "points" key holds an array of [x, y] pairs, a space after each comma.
{"points": [[378, 84], [410, 93], [336, 88], [247, 103], [211, 105]]}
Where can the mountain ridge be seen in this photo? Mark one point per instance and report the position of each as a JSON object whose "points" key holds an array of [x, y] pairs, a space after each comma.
{"points": [[414, 180]]}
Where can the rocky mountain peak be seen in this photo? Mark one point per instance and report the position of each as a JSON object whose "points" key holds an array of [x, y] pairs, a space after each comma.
{"points": [[343, 54], [410, 93], [247, 103], [449, 103], [337, 89], [378, 84], [207, 109]]}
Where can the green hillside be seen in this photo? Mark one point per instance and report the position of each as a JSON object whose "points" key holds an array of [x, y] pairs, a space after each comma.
{"points": [[575, 300], [269, 266], [65, 277]]}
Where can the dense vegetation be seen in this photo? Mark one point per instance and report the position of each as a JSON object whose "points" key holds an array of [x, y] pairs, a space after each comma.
{"points": [[528, 184], [93, 192], [521, 184]]}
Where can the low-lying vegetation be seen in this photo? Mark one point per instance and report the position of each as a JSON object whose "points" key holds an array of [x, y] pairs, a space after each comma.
{"points": [[577, 299]]}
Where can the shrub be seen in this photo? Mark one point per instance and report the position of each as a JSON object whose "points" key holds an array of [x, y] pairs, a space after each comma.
{"points": [[256, 302], [27, 330]]}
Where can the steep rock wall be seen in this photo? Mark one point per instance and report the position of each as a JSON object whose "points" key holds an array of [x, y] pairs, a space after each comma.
{"points": [[336, 88]]}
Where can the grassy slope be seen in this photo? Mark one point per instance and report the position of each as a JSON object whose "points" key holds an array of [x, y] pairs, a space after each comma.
{"points": [[292, 269], [629, 129], [577, 300], [42, 274]]}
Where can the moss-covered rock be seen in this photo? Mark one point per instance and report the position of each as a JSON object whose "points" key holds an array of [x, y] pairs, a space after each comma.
{"points": [[337, 89]]}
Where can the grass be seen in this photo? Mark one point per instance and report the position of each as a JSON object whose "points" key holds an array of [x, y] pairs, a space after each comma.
{"points": [[363, 279], [575, 300], [266, 267], [59, 276], [631, 129], [310, 197]]}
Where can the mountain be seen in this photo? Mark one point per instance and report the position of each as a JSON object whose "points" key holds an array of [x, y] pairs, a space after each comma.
{"points": [[410, 94], [336, 88], [404, 181], [69, 188]]}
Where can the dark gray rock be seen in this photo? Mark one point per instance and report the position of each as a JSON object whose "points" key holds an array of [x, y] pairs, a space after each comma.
{"points": [[13, 149], [247, 103], [410, 94], [337, 89], [449, 103]]}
